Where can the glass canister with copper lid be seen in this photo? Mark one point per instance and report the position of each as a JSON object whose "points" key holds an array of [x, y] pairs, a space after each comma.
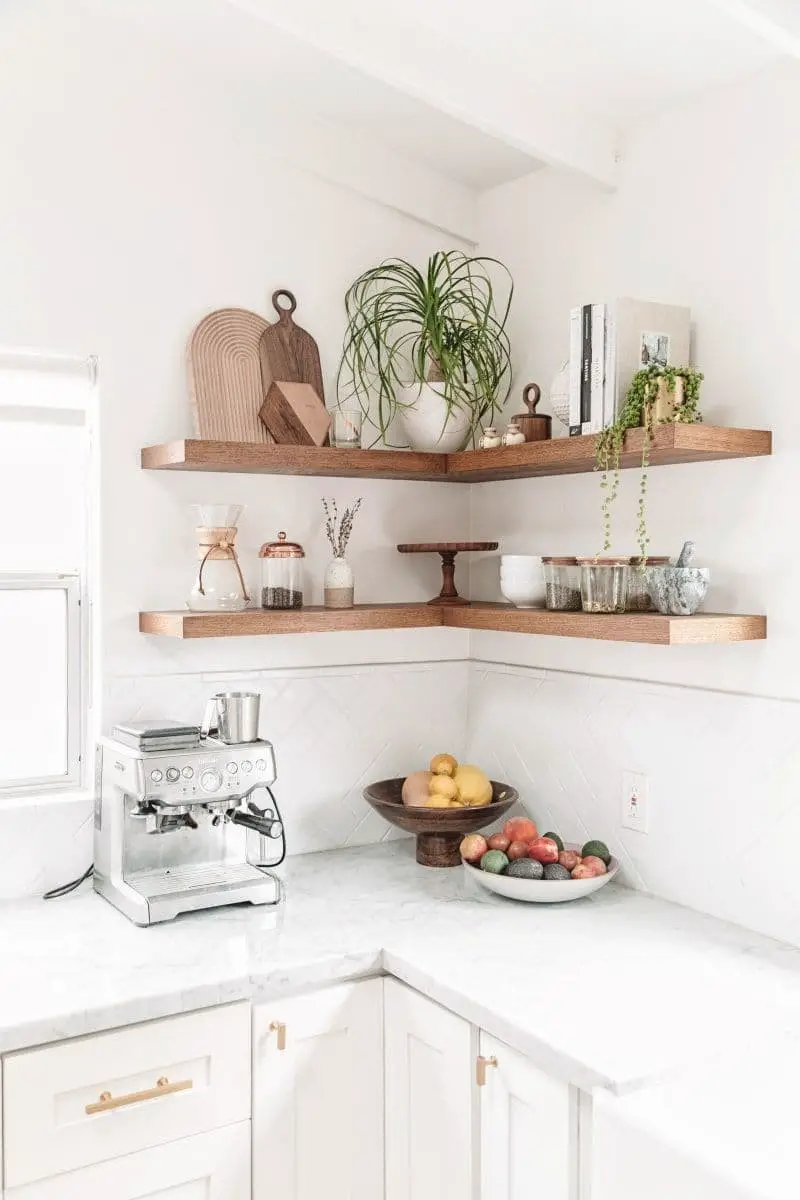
{"points": [[281, 573]]}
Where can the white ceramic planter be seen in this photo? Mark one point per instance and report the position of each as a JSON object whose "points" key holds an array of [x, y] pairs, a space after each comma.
{"points": [[426, 422], [339, 584]]}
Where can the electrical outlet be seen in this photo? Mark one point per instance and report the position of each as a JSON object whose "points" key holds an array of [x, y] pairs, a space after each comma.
{"points": [[634, 801]]}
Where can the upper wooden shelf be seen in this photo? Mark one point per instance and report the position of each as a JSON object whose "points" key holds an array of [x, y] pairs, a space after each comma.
{"points": [[562, 456], [627, 627]]}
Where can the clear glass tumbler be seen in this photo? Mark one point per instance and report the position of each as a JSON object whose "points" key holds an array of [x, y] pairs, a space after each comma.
{"points": [[346, 428], [604, 584]]}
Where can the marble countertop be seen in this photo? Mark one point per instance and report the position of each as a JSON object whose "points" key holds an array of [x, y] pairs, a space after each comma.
{"points": [[618, 990]]}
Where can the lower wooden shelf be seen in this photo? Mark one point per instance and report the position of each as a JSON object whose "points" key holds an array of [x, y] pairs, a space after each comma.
{"points": [[650, 628]]}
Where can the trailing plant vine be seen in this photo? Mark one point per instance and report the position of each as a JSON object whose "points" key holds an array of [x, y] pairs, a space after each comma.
{"points": [[638, 412]]}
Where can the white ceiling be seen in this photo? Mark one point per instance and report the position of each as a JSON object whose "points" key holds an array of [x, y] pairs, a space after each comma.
{"points": [[481, 91]]}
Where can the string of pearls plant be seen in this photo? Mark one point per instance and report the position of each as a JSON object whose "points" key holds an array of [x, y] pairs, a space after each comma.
{"points": [[638, 411]]}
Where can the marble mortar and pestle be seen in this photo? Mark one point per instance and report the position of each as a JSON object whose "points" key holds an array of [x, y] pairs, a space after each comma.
{"points": [[679, 590]]}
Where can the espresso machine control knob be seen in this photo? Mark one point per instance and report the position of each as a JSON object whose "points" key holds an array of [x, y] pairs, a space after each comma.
{"points": [[172, 774], [211, 780]]}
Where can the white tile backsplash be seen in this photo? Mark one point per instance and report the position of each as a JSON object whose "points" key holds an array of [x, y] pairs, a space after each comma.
{"points": [[723, 769], [334, 730]]}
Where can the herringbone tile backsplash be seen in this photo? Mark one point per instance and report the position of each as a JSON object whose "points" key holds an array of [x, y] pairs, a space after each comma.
{"points": [[724, 782]]}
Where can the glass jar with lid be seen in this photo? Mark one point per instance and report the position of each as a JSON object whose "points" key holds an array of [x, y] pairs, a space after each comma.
{"points": [[604, 584], [562, 583], [281, 574], [638, 594]]}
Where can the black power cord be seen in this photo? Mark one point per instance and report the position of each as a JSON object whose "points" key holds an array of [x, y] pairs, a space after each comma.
{"points": [[65, 888]]}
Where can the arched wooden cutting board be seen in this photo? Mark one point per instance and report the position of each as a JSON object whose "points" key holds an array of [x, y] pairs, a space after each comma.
{"points": [[289, 354], [225, 376]]}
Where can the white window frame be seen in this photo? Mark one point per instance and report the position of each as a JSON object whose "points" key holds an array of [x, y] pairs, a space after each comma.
{"points": [[77, 586], [70, 584]]}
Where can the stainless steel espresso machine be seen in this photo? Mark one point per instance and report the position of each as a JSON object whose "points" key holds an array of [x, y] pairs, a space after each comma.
{"points": [[185, 817]]}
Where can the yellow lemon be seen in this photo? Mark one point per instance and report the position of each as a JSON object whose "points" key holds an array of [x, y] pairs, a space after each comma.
{"points": [[443, 785], [437, 802], [443, 764], [473, 785]]}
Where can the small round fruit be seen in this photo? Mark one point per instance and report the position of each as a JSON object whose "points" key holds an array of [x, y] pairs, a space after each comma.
{"points": [[473, 847], [517, 850], [458, 803], [556, 871], [544, 850], [569, 859], [443, 764], [499, 841], [597, 864], [583, 872], [520, 829], [442, 785], [473, 785], [415, 788], [598, 849], [555, 838], [437, 802], [525, 868], [494, 861]]}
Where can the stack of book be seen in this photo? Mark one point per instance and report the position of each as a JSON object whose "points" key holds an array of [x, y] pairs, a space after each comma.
{"points": [[608, 344]]}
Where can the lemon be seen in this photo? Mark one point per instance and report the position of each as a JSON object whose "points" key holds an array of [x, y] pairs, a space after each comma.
{"points": [[443, 764], [473, 785], [443, 785], [437, 802]]}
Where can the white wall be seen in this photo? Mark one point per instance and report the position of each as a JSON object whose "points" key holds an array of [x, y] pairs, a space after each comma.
{"points": [[706, 215], [138, 194]]}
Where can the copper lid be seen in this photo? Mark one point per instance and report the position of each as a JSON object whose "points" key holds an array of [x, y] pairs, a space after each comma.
{"points": [[567, 560], [281, 549], [619, 560]]}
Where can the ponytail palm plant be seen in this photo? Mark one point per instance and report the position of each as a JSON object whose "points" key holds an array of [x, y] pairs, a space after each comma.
{"points": [[444, 326]]}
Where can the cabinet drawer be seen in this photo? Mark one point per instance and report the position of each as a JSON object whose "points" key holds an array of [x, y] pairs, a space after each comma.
{"points": [[213, 1166], [100, 1097]]}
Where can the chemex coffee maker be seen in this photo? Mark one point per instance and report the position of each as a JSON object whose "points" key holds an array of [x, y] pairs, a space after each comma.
{"points": [[185, 817]]}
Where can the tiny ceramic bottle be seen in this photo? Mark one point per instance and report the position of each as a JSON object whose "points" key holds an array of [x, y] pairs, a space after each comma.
{"points": [[490, 438], [339, 589], [513, 435]]}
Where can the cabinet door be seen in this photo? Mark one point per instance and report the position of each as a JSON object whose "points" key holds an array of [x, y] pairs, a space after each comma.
{"points": [[318, 1095], [211, 1166], [528, 1129], [429, 1099]]}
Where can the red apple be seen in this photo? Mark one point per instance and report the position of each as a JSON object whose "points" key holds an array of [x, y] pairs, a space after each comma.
{"points": [[597, 864], [473, 847], [518, 850], [569, 859], [520, 829], [499, 841], [544, 850]]}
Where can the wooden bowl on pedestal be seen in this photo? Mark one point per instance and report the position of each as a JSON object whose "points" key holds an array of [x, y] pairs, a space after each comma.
{"points": [[438, 830]]}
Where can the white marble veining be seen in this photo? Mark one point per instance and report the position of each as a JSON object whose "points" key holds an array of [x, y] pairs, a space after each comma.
{"points": [[615, 990]]}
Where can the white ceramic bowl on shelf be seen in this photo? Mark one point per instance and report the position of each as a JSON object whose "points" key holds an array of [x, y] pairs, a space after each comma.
{"points": [[522, 580], [541, 891]]}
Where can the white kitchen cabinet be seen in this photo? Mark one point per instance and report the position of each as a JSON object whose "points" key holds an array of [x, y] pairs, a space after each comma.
{"points": [[318, 1095], [431, 1136], [211, 1166], [528, 1126]]}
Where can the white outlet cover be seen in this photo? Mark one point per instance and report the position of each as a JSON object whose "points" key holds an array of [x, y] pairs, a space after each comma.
{"points": [[634, 800]]}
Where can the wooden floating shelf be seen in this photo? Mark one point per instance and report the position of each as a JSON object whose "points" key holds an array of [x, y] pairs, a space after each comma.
{"points": [[651, 628], [561, 456]]}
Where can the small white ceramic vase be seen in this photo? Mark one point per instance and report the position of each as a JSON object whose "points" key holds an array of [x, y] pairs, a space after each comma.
{"points": [[339, 584], [426, 422]]}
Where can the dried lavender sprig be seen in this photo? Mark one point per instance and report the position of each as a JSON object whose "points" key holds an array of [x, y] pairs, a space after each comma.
{"points": [[338, 531]]}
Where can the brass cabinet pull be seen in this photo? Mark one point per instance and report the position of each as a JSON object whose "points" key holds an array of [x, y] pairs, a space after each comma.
{"points": [[279, 1028], [480, 1068], [163, 1088]]}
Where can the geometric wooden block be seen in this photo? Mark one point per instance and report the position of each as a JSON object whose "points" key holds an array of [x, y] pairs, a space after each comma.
{"points": [[294, 415]]}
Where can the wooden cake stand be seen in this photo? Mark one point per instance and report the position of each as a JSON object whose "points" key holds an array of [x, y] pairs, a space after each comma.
{"points": [[448, 552]]}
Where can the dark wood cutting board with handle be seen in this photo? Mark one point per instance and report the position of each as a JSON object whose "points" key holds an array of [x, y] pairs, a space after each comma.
{"points": [[288, 353]]}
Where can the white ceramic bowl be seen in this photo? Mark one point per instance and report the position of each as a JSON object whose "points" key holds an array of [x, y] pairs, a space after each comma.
{"points": [[523, 593], [541, 891], [521, 562]]}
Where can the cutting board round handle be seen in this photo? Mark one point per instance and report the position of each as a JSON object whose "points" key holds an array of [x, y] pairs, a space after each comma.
{"points": [[280, 309]]}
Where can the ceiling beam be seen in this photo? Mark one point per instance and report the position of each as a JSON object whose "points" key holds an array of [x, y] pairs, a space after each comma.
{"points": [[774, 21]]}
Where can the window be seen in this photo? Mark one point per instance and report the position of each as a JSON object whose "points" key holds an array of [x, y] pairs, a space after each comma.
{"points": [[45, 482]]}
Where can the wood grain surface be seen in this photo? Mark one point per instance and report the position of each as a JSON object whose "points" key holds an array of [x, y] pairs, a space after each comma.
{"points": [[295, 416], [444, 547], [287, 352], [191, 454], [225, 376], [563, 456], [652, 628]]}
